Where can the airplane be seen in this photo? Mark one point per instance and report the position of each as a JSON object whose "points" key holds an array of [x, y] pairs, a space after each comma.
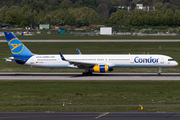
{"points": [[101, 63]]}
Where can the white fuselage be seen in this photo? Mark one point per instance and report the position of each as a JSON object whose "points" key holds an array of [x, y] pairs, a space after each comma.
{"points": [[54, 61]]}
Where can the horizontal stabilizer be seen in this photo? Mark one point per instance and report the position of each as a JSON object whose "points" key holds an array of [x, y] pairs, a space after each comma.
{"points": [[11, 59]]}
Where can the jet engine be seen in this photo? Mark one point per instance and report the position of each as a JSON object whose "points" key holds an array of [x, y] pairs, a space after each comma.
{"points": [[101, 68]]}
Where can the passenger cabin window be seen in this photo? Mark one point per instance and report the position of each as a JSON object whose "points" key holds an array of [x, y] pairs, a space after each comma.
{"points": [[46, 59], [170, 60], [119, 59], [82, 59]]}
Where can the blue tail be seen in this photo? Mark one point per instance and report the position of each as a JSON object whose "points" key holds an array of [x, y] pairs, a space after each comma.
{"points": [[18, 49]]}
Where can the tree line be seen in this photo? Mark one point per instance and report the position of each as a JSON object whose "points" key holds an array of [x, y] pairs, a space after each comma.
{"points": [[84, 12]]}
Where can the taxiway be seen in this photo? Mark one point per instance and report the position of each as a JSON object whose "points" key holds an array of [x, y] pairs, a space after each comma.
{"points": [[95, 76], [49, 115]]}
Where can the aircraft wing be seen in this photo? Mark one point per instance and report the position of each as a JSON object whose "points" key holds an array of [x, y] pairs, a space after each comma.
{"points": [[82, 64], [77, 63]]}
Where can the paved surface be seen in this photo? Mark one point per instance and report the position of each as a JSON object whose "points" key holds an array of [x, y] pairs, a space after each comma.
{"points": [[96, 41], [95, 76], [89, 115]]}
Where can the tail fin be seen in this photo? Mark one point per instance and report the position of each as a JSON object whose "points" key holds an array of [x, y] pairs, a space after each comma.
{"points": [[18, 49]]}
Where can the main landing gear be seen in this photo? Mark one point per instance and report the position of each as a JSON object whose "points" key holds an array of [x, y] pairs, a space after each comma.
{"points": [[159, 72], [87, 72]]}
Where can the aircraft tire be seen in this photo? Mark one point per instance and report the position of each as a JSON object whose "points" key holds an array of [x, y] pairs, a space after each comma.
{"points": [[87, 73]]}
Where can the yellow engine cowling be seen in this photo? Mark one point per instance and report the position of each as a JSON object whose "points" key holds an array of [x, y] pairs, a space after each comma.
{"points": [[102, 68]]}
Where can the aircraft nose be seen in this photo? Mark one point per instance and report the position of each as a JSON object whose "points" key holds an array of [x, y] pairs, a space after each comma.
{"points": [[176, 63]]}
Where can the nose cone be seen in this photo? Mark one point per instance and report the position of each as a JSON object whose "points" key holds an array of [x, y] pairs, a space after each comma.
{"points": [[175, 63]]}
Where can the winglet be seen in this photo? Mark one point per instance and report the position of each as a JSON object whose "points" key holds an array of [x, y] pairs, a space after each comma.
{"points": [[78, 51], [62, 57]]}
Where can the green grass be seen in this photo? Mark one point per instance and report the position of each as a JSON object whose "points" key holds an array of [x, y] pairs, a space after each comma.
{"points": [[40, 95], [171, 49], [56, 36]]}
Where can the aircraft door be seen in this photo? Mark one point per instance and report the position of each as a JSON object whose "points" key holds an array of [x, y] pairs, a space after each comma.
{"points": [[132, 60], [31, 60], [161, 61]]}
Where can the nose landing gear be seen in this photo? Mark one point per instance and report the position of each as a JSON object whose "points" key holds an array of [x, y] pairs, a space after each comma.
{"points": [[159, 72]]}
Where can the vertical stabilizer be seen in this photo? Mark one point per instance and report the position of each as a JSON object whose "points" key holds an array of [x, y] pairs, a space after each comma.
{"points": [[18, 49]]}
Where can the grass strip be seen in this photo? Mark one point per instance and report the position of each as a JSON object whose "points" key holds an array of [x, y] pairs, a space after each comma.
{"points": [[50, 95], [39, 93], [56, 36]]}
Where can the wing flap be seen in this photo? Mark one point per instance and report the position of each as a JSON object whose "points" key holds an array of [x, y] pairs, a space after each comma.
{"points": [[82, 64]]}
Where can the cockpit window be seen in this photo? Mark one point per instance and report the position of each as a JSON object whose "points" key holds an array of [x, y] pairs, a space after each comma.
{"points": [[170, 59]]}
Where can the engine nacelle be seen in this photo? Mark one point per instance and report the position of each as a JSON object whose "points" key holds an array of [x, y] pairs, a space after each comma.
{"points": [[101, 68]]}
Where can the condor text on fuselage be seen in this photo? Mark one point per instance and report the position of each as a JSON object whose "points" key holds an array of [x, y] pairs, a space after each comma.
{"points": [[146, 60]]}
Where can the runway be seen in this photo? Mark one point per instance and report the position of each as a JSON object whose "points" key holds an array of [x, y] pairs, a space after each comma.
{"points": [[48, 115], [95, 76]]}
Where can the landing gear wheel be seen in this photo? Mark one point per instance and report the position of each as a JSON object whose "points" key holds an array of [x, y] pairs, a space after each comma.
{"points": [[87, 73], [159, 72]]}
